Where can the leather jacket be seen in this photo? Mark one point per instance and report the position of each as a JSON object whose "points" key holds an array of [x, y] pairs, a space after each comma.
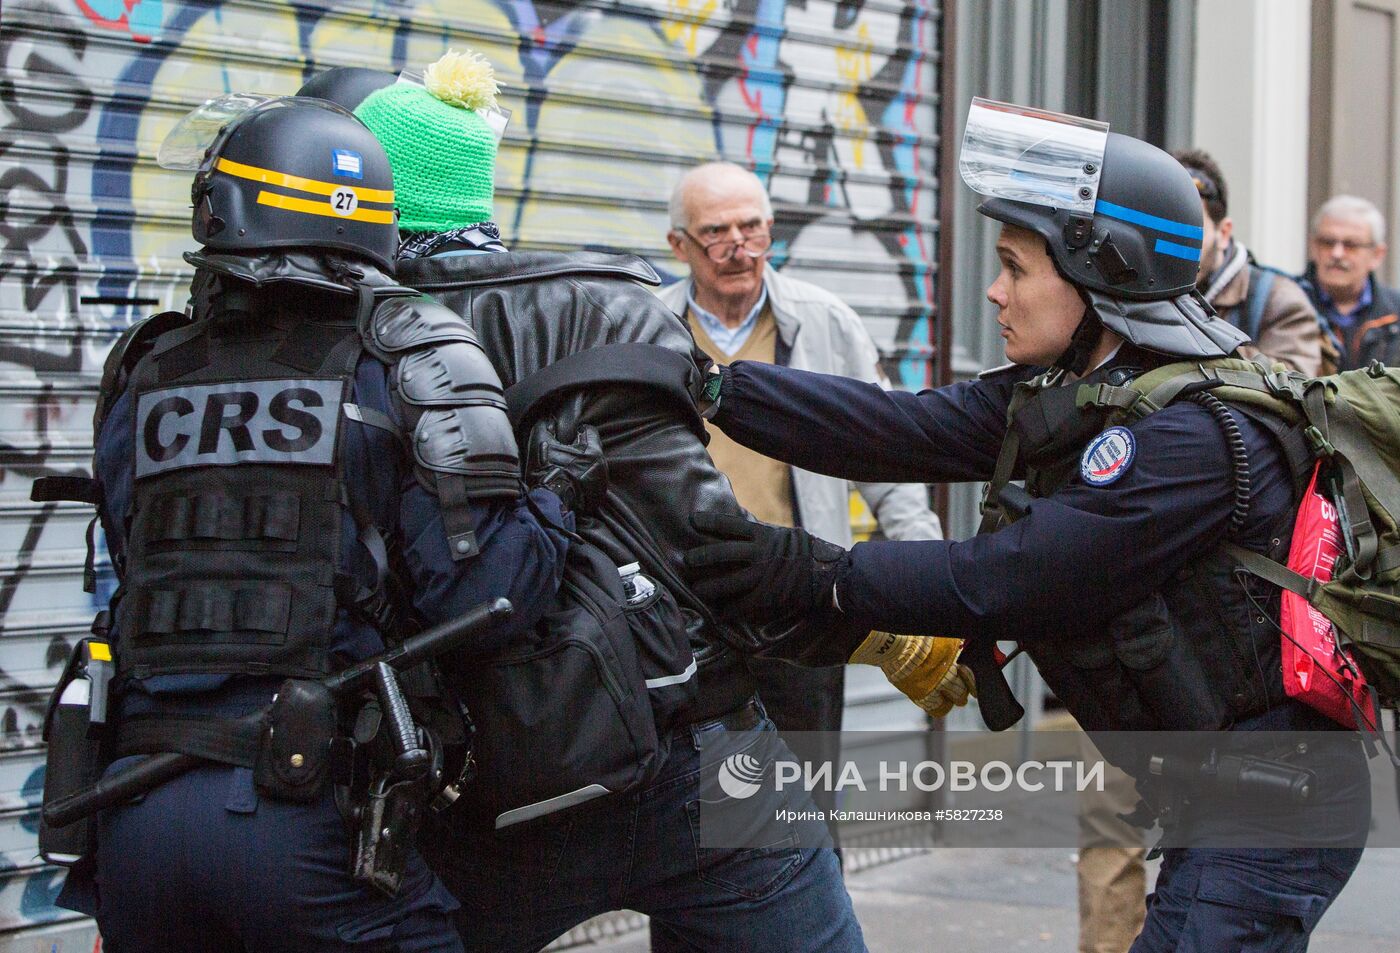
{"points": [[530, 309]]}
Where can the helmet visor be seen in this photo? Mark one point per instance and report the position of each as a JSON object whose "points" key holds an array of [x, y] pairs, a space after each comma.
{"points": [[1033, 155], [184, 148]]}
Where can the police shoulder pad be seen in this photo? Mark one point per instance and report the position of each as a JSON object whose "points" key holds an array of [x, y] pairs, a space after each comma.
{"points": [[404, 323]]}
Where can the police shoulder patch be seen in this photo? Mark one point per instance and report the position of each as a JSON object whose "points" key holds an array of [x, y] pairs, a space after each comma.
{"points": [[1108, 456]]}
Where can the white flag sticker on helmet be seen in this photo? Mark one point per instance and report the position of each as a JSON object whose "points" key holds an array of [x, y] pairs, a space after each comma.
{"points": [[347, 164], [1108, 457]]}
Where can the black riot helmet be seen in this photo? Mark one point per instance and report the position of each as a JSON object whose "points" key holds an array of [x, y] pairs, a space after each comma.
{"points": [[346, 86], [287, 173], [1120, 217]]}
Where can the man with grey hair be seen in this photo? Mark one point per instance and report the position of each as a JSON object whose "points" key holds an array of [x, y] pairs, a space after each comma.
{"points": [[1346, 246], [740, 308]]}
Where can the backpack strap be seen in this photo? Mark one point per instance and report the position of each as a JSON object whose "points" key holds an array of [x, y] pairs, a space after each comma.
{"points": [[1261, 282], [674, 375], [1271, 571], [1353, 462]]}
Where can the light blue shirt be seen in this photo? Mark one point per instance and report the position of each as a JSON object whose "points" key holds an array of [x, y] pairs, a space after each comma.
{"points": [[727, 339]]}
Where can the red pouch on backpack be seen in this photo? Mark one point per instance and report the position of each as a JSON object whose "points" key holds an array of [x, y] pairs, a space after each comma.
{"points": [[1310, 650]]}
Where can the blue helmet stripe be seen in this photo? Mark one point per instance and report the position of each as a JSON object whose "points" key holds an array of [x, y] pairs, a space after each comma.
{"points": [[1177, 251], [1151, 221]]}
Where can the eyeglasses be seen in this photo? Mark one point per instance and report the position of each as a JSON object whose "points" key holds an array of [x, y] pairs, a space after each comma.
{"points": [[1349, 246], [755, 242]]}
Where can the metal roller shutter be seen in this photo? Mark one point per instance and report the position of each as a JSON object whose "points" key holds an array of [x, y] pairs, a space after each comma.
{"points": [[834, 103]]}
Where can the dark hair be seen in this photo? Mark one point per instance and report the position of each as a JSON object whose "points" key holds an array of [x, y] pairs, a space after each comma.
{"points": [[1210, 181]]}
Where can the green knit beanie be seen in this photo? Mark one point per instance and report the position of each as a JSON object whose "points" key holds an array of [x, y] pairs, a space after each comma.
{"points": [[442, 152]]}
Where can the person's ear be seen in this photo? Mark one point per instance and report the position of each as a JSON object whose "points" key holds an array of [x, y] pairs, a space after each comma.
{"points": [[675, 239], [1226, 228]]}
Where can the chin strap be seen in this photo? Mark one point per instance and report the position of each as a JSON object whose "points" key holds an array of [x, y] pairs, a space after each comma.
{"points": [[1075, 358]]}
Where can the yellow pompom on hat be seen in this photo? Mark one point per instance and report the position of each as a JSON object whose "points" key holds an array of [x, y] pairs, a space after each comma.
{"points": [[442, 152]]}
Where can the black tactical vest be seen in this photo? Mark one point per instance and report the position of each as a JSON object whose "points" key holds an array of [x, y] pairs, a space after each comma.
{"points": [[235, 526], [1196, 655]]}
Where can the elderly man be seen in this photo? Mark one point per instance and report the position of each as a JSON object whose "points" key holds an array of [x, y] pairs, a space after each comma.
{"points": [[1260, 301], [1345, 249], [739, 308]]}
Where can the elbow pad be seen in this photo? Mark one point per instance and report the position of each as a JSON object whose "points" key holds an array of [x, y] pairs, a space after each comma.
{"points": [[449, 397]]}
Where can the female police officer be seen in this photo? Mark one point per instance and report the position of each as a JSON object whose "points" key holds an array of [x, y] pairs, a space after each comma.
{"points": [[1113, 579]]}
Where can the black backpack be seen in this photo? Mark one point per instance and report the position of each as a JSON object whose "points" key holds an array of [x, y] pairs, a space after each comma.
{"points": [[578, 712]]}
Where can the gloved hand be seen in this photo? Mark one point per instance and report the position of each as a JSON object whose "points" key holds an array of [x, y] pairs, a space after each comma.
{"points": [[577, 472], [925, 669], [763, 573]]}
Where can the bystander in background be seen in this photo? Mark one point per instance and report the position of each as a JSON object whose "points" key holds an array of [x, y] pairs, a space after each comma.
{"points": [[1346, 247], [1263, 302]]}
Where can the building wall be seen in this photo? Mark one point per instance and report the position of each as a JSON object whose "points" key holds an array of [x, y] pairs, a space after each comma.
{"points": [[1355, 110], [1251, 112], [832, 102]]}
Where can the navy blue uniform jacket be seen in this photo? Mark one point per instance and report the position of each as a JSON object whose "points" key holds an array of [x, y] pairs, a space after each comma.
{"points": [[1080, 557]]}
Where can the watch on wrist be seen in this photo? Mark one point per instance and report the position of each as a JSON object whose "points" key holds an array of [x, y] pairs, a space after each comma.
{"points": [[710, 392]]}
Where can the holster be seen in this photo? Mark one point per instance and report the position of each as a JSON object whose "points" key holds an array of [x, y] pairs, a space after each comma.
{"points": [[74, 729], [294, 757], [388, 824], [383, 808]]}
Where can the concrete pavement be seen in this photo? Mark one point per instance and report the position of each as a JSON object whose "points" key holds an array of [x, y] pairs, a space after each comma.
{"points": [[982, 900]]}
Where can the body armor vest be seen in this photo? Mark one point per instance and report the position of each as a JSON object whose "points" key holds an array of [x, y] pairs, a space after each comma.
{"points": [[238, 503], [1196, 655], [235, 526]]}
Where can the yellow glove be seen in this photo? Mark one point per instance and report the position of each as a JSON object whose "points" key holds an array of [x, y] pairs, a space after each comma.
{"points": [[925, 669]]}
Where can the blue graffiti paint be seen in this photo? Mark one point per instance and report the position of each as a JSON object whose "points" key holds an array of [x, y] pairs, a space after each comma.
{"points": [[33, 795], [41, 889], [763, 84], [913, 371], [115, 164]]}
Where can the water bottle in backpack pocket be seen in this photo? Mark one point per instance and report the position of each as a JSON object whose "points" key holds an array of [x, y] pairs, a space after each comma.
{"points": [[663, 645]]}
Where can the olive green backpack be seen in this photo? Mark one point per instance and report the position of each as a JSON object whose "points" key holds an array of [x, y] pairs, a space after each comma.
{"points": [[1351, 423]]}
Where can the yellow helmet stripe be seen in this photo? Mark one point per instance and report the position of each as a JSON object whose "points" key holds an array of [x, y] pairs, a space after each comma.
{"points": [[269, 177], [309, 207]]}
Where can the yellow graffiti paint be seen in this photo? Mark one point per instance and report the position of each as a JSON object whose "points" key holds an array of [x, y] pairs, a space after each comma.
{"points": [[854, 65], [863, 522], [686, 32]]}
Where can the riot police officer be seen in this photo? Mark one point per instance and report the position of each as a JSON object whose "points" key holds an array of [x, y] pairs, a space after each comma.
{"points": [[309, 462], [1114, 576]]}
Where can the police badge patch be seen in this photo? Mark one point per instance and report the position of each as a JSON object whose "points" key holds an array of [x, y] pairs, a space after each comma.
{"points": [[1108, 456]]}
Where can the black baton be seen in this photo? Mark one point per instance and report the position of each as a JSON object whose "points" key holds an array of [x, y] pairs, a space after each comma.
{"points": [[159, 768]]}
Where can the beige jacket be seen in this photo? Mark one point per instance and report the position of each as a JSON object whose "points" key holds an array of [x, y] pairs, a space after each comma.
{"points": [[1289, 332]]}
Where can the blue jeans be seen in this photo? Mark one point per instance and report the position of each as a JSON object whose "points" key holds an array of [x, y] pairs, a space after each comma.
{"points": [[519, 890], [1242, 900], [204, 863]]}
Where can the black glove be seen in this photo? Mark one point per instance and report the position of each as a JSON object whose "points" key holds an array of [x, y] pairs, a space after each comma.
{"points": [[577, 472], [765, 573]]}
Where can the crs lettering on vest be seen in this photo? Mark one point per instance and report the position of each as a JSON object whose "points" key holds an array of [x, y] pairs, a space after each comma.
{"points": [[225, 424]]}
